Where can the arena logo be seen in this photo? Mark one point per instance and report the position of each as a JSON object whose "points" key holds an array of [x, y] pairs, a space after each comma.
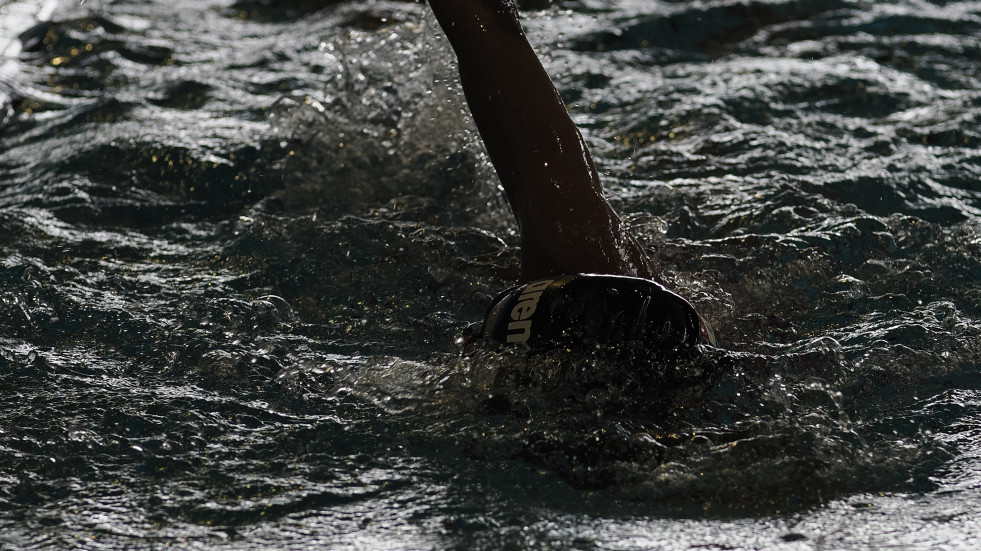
{"points": [[519, 330]]}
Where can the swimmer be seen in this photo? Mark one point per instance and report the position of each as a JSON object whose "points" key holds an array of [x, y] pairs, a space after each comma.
{"points": [[586, 278]]}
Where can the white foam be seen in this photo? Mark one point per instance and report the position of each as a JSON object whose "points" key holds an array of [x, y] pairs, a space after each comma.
{"points": [[18, 16]]}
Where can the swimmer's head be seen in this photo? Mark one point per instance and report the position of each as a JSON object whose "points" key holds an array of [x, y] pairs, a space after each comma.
{"points": [[594, 311]]}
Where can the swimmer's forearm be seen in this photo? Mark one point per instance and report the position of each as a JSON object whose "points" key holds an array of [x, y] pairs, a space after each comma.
{"points": [[527, 130], [468, 22], [540, 156]]}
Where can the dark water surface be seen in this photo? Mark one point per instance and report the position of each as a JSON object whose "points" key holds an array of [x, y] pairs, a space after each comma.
{"points": [[240, 240]]}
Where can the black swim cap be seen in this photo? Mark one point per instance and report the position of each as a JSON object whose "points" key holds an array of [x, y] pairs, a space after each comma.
{"points": [[580, 310]]}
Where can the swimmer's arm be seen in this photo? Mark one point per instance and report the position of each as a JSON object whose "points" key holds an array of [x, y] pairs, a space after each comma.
{"points": [[566, 224]]}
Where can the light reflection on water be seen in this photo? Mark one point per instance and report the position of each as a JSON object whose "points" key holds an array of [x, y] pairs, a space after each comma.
{"points": [[232, 285]]}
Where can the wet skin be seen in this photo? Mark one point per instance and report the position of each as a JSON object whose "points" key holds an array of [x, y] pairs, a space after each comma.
{"points": [[567, 226]]}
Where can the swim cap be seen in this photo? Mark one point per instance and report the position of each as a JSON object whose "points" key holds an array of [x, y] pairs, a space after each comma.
{"points": [[592, 309]]}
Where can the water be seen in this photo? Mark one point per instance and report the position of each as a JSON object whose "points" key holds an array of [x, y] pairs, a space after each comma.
{"points": [[240, 242]]}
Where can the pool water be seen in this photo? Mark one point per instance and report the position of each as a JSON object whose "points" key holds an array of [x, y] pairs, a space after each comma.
{"points": [[242, 242]]}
